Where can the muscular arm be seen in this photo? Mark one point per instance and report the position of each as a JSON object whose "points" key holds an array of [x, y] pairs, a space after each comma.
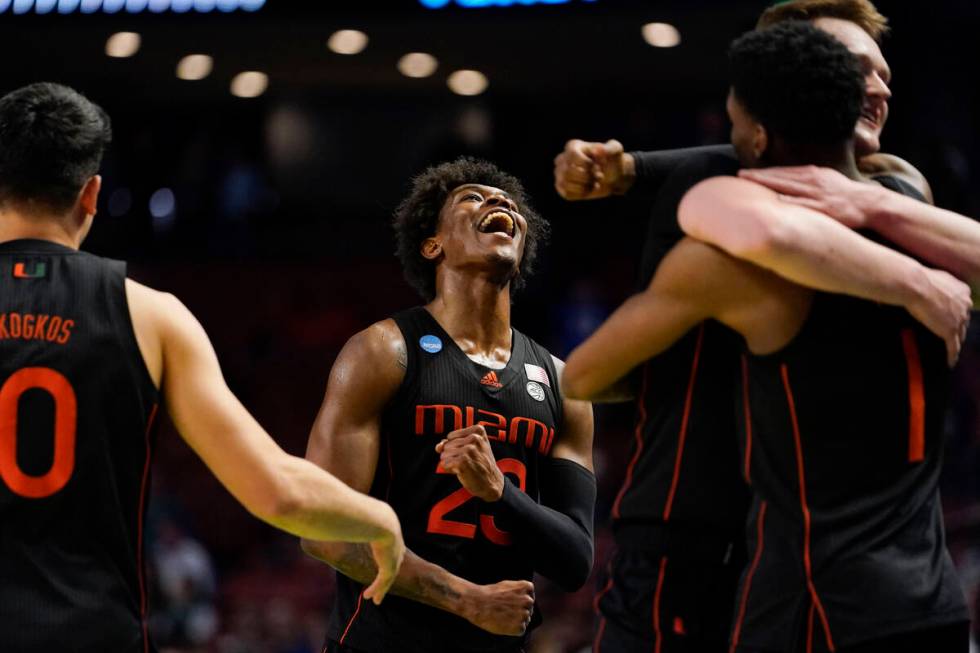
{"points": [[807, 247], [345, 440], [945, 239], [285, 491], [693, 283]]}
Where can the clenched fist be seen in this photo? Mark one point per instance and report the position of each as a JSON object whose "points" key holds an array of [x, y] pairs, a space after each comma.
{"points": [[467, 454], [503, 608], [586, 171]]}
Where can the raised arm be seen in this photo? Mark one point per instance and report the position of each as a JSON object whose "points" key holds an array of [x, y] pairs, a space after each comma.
{"points": [[800, 244], [590, 170], [345, 440], [285, 491]]}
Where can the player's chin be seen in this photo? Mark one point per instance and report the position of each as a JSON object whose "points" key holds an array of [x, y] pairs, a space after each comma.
{"points": [[504, 265], [867, 139]]}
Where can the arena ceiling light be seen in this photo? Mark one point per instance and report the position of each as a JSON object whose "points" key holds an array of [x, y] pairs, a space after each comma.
{"points": [[347, 41], [417, 64], [130, 6], [250, 83], [661, 35], [123, 44], [467, 82], [194, 67]]}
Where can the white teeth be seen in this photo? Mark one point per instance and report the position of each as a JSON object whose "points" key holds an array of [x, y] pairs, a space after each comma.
{"points": [[497, 215]]}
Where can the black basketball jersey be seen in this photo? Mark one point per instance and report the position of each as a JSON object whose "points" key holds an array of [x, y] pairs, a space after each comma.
{"points": [[443, 390], [76, 401], [843, 439], [684, 469]]}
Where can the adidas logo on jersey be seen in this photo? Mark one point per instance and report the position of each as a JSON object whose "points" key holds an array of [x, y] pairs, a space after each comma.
{"points": [[490, 379]]}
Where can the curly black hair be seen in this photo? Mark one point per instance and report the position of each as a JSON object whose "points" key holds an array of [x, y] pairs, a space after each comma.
{"points": [[417, 218], [801, 83], [51, 142]]}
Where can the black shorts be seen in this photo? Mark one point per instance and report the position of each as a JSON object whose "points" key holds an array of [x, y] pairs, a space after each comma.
{"points": [[651, 601], [951, 638]]}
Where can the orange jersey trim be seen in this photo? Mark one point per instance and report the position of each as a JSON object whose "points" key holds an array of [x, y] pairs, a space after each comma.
{"points": [[638, 435], [760, 534], [804, 508], [917, 399], [357, 611], [658, 635], [747, 471], [683, 435]]}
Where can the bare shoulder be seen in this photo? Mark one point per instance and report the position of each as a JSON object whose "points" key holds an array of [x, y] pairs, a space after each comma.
{"points": [[381, 343], [152, 313], [889, 164], [145, 303], [371, 366]]}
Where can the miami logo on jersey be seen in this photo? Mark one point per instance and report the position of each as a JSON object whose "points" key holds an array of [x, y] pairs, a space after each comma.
{"points": [[431, 420]]}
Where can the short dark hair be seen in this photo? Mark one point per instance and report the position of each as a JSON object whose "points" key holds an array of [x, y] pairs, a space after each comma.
{"points": [[51, 142], [417, 217], [801, 83], [860, 12]]}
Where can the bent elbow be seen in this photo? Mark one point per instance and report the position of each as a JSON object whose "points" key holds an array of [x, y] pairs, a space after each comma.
{"points": [[759, 240], [579, 569]]}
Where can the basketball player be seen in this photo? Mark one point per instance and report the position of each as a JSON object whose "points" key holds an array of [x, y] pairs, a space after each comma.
{"points": [[842, 398], [458, 421], [678, 519], [590, 170], [85, 356]]}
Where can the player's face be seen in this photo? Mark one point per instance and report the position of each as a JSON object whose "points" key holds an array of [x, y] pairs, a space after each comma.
{"points": [[480, 225], [877, 75], [748, 136]]}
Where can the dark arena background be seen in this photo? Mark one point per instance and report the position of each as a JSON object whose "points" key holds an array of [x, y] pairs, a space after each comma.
{"points": [[256, 182]]}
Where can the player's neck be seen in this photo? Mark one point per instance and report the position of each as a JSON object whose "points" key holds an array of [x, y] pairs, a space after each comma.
{"points": [[475, 312], [14, 225], [840, 157]]}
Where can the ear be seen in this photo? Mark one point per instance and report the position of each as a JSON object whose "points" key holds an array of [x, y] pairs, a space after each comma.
{"points": [[760, 141], [431, 248], [88, 198]]}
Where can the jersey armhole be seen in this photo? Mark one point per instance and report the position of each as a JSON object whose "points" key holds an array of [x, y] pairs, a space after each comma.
{"points": [[127, 332], [403, 321]]}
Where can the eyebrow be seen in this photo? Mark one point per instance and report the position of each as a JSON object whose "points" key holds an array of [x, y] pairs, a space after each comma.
{"points": [[479, 187]]}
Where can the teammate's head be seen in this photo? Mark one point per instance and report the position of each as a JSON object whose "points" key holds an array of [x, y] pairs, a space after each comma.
{"points": [[794, 88], [860, 27], [467, 214], [51, 145]]}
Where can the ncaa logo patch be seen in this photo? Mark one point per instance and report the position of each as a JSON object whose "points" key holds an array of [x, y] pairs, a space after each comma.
{"points": [[431, 344], [535, 390]]}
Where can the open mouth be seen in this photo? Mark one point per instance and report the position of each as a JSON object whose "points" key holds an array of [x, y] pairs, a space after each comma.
{"points": [[497, 222], [870, 115]]}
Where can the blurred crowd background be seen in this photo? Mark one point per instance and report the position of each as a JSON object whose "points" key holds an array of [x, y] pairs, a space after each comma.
{"points": [[263, 201]]}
